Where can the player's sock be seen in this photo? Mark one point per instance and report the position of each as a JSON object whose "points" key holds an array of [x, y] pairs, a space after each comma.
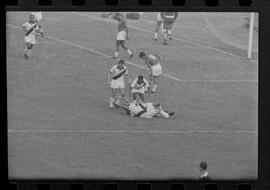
{"points": [[116, 54], [111, 102], [156, 35], [154, 88], [129, 51], [164, 114]]}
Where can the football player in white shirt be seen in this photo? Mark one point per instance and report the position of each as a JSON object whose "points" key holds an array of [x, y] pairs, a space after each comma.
{"points": [[159, 25], [137, 108], [139, 87], [148, 110], [117, 78], [31, 29]]}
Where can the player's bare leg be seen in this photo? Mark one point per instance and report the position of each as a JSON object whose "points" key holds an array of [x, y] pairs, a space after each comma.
{"points": [[166, 39], [157, 29], [127, 50], [28, 50], [155, 81], [117, 49], [164, 113], [170, 34], [113, 98]]}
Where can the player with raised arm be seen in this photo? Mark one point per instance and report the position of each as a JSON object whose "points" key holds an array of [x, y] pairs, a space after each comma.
{"points": [[158, 26], [168, 20], [139, 87], [31, 29], [122, 35], [117, 78], [153, 62]]}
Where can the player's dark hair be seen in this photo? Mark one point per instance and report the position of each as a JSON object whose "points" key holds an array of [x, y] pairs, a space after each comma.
{"points": [[142, 54], [140, 77], [121, 61], [203, 165]]}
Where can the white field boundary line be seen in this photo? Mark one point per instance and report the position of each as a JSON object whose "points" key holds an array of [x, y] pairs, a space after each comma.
{"points": [[176, 38], [215, 33], [130, 63], [128, 131]]}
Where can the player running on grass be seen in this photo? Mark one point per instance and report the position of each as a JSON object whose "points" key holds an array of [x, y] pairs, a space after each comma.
{"points": [[117, 78], [158, 26], [168, 21], [122, 35], [31, 29], [144, 110], [153, 62]]}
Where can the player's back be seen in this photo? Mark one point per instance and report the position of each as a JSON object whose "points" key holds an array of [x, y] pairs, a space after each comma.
{"points": [[153, 59]]}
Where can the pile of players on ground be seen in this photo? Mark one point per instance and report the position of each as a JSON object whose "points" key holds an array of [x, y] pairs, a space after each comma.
{"points": [[117, 77]]}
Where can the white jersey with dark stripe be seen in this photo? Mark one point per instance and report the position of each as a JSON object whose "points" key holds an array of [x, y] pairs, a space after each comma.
{"points": [[118, 73]]}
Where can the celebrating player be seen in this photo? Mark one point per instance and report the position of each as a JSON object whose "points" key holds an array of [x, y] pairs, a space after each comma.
{"points": [[153, 62], [168, 20], [139, 87], [31, 29], [122, 35], [117, 78], [159, 25]]}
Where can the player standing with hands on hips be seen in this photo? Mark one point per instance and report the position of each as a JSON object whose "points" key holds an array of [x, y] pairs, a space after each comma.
{"points": [[117, 78]]}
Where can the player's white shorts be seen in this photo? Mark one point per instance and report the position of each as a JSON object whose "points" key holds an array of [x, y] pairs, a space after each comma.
{"points": [[116, 84], [151, 111], [121, 35], [38, 15], [30, 39], [156, 70]]}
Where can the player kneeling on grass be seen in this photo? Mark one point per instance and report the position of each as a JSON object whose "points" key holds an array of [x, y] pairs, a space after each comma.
{"points": [[122, 35], [31, 29], [138, 87], [153, 62], [117, 77]]}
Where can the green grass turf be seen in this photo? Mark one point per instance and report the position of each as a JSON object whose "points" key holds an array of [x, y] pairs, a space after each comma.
{"points": [[63, 89]]}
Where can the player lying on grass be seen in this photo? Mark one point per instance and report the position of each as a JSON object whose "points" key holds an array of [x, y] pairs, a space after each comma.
{"points": [[117, 78], [153, 62], [158, 26], [144, 110], [122, 35], [31, 30], [139, 87], [168, 21]]}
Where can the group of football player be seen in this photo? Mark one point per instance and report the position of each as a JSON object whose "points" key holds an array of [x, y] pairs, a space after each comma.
{"points": [[117, 77]]}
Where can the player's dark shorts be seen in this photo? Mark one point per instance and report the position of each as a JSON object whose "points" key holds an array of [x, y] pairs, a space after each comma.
{"points": [[138, 94], [159, 22], [120, 42], [167, 26]]}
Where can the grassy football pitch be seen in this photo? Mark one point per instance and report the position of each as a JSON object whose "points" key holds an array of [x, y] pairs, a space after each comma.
{"points": [[60, 126]]}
